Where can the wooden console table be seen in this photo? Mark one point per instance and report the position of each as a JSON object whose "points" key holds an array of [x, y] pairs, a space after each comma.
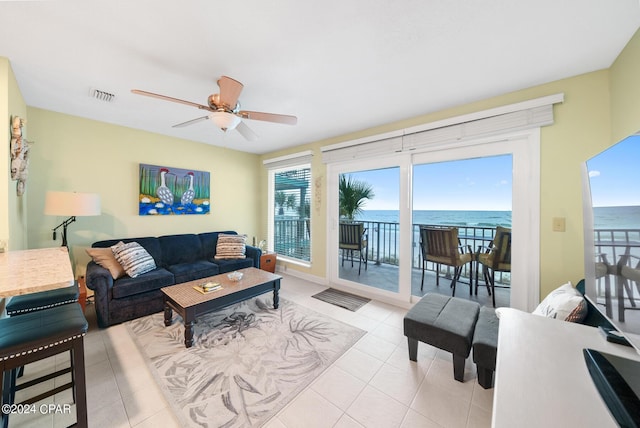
{"points": [[542, 379], [31, 271]]}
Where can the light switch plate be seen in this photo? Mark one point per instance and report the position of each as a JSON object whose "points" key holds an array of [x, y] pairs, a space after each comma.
{"points": [[559, 224]]}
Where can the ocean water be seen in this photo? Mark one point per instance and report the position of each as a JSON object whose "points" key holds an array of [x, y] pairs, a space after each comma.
{"points": [[604, 217], [617, 217], [385, 239], [443, 217]]}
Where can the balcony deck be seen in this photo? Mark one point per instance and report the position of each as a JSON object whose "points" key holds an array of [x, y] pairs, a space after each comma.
{"points": [[385, 277]]}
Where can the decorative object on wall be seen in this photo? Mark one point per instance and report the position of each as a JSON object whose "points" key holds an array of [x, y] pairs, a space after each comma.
{"points": [[167, 190], [19, 154], [318, 193]]}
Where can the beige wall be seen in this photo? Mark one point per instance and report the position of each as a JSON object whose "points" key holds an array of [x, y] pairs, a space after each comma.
{"points": [[581, 121], [582, 127], [625, 91], [13, 220], [83, 155], [76, 154], [5, 173]]}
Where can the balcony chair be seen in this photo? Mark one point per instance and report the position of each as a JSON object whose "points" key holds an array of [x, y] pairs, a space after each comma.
{"points": [[353, 237], [495, 258], [440, 245], [603, 270], [629, 273]]}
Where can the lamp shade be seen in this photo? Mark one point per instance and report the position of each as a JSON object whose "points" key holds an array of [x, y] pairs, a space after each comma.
{"points": [[224, 120], [72, 204]]}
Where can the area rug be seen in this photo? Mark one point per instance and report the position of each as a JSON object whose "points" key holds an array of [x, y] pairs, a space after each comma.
{"points": [[340, 298], [247, 362]]}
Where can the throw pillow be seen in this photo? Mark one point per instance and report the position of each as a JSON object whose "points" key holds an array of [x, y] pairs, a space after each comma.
{"points": [[134, 258], [105, 258], [230, 247], [564, 303]]}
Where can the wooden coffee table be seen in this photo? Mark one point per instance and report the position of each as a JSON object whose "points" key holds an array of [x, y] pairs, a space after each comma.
{"points": [[190, 303]]}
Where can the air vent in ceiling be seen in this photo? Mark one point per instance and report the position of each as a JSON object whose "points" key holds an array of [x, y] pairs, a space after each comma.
{"points": [[102, 95]]}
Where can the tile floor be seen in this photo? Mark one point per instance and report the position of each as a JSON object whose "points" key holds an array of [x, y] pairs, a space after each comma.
{"points": [[372, 385]]}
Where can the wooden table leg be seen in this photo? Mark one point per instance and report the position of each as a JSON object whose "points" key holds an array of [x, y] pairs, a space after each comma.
{"points": [[168, 315], [276, 298], [188, 334]]}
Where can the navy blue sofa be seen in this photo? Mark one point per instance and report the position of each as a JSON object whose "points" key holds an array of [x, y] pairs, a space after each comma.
{"points": [[179, 258]]}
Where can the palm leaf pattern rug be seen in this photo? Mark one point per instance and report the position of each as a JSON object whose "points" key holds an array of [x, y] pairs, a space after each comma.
{"points": [[247, 362]]}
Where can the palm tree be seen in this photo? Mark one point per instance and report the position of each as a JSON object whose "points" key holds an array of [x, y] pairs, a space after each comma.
{"points": [[280, 200], [353, 196], [284, 200]]}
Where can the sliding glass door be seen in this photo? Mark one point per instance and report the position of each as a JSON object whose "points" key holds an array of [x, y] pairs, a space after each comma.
{"points": [[492, 174], [472, 195], [368, 241]]}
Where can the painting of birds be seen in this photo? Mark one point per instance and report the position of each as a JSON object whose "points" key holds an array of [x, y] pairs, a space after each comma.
{"points": [[189, 194], [163, 192]]}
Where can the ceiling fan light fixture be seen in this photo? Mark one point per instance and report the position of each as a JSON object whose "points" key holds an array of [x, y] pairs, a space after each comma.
{"points": [[224, 120]]}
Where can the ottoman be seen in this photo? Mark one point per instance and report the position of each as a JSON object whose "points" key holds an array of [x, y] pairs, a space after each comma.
{"points": [[445, 322], [485, 346]]}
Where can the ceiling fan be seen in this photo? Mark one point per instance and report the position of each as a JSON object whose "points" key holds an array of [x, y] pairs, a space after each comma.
{"points": [[225, 109]]}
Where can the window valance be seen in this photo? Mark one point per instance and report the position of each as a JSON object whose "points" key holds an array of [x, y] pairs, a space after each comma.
{"points": [[449, 132]]}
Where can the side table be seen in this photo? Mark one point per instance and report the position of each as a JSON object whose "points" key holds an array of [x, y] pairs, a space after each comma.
{"points": [[82, 296], [268, 262]]}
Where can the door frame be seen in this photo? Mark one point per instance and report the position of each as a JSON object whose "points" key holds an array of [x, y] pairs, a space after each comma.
{"points": [[523, 146]]}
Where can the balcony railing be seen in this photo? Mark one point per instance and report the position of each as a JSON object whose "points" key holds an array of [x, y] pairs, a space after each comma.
{"points": [[292, 238], [383, 244]]}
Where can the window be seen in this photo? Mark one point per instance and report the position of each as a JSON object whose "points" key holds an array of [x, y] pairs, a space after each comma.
{"points": [[290, 208]]}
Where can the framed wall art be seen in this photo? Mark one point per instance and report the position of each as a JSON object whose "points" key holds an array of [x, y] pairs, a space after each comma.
{"points": [[173, 191]]}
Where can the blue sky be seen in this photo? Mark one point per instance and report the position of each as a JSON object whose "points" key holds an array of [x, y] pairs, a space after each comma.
{"points": [[470, 184], [615, 174]]}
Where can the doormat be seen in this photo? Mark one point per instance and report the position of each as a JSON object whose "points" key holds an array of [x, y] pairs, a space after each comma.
{"points": [[340, 298]]}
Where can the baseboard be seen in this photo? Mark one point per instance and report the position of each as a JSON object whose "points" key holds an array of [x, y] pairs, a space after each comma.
{"points": [[302, 275], [283, 269]]}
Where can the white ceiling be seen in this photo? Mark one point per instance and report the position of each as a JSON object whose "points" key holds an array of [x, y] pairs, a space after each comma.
{"points": [[339, 65]]}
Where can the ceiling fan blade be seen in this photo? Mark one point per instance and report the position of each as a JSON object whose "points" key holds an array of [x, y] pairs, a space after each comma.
{"points": [[175, 100], [268, 117], [246, 132], [229, 91], [190, 122]]}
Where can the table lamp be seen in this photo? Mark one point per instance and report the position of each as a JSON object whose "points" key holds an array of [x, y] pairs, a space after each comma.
{"points": [[70, 204]]}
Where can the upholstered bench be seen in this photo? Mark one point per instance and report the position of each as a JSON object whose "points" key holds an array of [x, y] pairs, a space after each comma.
{"points": [[37, 335], [445, 322], [485, 346], [43, 300]]}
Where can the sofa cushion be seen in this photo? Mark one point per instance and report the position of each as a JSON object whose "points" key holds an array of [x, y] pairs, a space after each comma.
{"points": [[153, 280], [230, 247], [152, 245], [209, 243], [228, 265], [178, 249], [105, 258], [564, 303], [134, 258], [184, 272]]}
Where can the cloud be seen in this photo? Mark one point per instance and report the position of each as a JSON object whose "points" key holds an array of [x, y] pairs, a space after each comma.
{"points": [[594, 174]]}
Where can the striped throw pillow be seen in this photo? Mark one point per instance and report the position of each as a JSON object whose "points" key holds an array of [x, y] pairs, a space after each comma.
{"points": [[134, 258], [231, 247]]}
